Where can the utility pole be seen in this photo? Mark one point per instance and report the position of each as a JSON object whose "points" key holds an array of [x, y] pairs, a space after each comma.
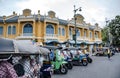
{"points": [[74, 35]]}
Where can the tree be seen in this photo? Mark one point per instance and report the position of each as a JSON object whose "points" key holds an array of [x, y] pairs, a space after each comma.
{"points": [[114, 28], [105, 35]]}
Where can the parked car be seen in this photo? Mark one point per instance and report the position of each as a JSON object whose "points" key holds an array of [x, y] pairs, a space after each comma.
{"points": [[103, 51]]}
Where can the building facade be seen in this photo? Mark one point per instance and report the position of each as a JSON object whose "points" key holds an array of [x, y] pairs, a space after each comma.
{"points": [[49, 29]]}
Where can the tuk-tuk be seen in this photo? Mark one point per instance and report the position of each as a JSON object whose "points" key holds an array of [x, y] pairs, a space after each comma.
{"points": [[47, 68], [103, 51], [23, 55], [68, 57], [78, 57], [84, 50], [58, 61]]}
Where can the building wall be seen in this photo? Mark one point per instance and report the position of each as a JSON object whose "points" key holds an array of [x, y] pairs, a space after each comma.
{"points": [[39, 28]]}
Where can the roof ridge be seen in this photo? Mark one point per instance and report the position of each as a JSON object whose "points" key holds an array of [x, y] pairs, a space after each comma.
{"points": [[11, 16]]}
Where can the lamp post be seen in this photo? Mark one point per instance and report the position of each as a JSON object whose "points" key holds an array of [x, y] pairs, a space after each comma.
{"points": [[74, 35], [107, 21]]}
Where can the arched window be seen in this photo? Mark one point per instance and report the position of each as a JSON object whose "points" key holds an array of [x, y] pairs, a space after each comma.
{"points": [[1, 30], [90, 34], [85, 34], [63, 31], [70, 31], [9, 29], [28, 29], [14, 30], [78, 32], [96, 35], [59, 31], [49, 29]]}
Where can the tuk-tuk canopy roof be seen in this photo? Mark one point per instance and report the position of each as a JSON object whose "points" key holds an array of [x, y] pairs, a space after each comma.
{"points": [[70, 48], [26, 46], [44, 51], [6, 45], [52, 47], [75, 48], [9, 46]]}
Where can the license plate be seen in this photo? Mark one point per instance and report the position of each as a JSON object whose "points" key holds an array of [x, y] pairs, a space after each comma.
{"points": [[84, 59]]}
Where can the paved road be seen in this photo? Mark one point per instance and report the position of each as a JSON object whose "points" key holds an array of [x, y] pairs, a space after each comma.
{"points": [[100, 68]]}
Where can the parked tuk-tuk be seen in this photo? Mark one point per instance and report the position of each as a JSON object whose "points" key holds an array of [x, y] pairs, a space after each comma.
{"points": [[23, 55], [78, 57], [84, 50], [68, 57], [58, 61], [47, 68]]}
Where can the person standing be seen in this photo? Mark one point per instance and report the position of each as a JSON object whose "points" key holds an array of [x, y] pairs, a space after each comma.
{"points": [[108, 53], [51, 55]]}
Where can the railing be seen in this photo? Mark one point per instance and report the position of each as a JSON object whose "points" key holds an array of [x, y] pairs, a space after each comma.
{"points": [[29, 17], [71, 37], [97, 39], [51, 36], [27, 34], [49, 18], [82, 38]]}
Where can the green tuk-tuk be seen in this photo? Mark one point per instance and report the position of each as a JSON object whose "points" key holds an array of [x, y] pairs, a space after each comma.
{"points": [[58, 60]]}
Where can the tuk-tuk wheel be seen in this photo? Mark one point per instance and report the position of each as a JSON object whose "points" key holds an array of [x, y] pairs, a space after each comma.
{"points": [[70, 65], [63, 69], [84, 63], [89, 60]]}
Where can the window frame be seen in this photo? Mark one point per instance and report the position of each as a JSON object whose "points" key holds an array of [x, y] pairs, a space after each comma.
{"points": [[14, 30], [1, 30], [50, 29], [63, 31], [59, 30]]}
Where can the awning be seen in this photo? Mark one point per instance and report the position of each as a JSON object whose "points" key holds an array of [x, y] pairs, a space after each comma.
{"points": [[97, 43], [79, 42], [84, 42], [52, 47], [52, 41], [90, 43], [69, 41]]}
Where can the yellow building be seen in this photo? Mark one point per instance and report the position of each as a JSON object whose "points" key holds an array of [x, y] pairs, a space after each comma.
{"points": [[49, 29]]}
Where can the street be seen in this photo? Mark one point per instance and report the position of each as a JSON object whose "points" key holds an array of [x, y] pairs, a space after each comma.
{"points": [[101, 67]]}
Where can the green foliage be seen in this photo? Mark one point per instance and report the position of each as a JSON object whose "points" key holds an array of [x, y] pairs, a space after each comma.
{"points": [[105, 34], [114, 26]]}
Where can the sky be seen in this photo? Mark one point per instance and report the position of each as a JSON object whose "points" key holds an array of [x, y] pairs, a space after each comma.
{"points": [[93, 11]]}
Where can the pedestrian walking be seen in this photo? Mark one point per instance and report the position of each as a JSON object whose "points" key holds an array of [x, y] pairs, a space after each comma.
{"points": [[108, 53]]}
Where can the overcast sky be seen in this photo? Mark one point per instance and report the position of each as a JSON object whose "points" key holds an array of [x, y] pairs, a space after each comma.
{"points": [[94, 11]]}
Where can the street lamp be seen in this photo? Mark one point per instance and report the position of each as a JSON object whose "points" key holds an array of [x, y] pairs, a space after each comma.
{"points": [[74, 35], [107, 21]]}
